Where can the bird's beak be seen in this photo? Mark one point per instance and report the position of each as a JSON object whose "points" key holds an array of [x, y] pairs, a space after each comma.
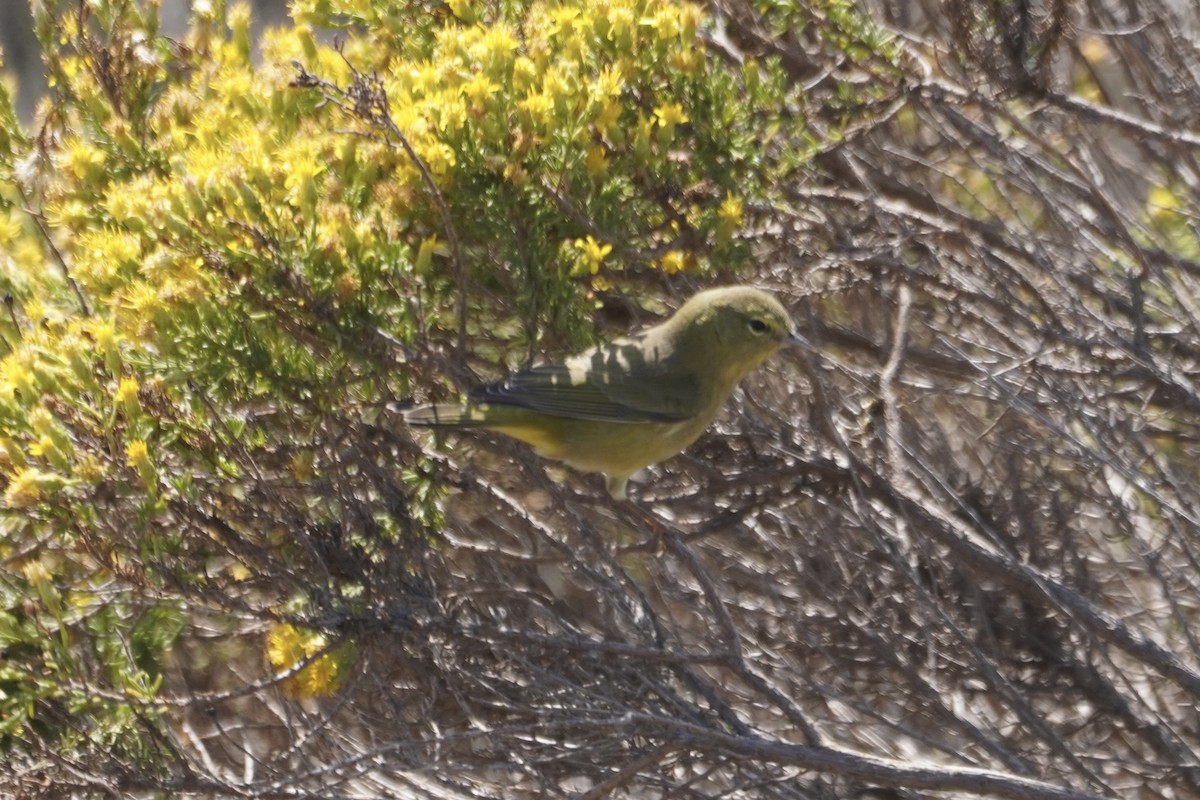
{"points": [[797, 340]]}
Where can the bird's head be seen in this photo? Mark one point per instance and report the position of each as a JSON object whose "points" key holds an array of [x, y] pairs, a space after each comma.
{"points": [[738, 327]]}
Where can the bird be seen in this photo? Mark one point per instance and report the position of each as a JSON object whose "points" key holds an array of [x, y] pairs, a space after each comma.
{"points": [[634, 401]]}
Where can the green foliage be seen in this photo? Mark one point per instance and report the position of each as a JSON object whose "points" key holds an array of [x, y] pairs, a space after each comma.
{"points": [[63, 643]]}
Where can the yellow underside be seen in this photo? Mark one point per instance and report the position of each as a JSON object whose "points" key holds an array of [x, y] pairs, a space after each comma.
{"points": [[615, 448]]}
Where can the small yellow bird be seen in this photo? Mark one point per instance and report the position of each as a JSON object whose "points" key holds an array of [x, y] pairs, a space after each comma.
{"points": [[635, 401]]}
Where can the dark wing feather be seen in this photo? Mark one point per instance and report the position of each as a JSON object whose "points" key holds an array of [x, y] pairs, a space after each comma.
{"points": [[595, 387]]}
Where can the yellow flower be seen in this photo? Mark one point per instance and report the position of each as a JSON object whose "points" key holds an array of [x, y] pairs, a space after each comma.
{"points": [[592, 253], [35, 309], [729, 217], [452, 112], [562, 19], [666, 23], [540, 107], [670, 115], [300, 166], [690, 17], [41, 447], [145, 301], [238, 19], [524, 72], [106, 335], [606, 119], [284, 646], [673, 261], [127, 390], [287, 646], [22, 491], [54, 449], [83, 160], [137, 454], [609, 83], [107, 340], [621, 20], [687, 60], [500, 40], [438, 157], [478, 90], [318, 679], [127, 399], [731, 210], [16, 375], [28, 486]]}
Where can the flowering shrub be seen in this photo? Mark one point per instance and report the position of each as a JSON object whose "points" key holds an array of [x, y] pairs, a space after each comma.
{"points": [[222, 256]]}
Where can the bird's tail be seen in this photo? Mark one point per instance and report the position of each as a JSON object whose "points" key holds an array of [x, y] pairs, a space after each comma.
{"points": [[443, 415]]}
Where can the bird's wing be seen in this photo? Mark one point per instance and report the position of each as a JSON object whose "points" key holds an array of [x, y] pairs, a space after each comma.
{"points": [[609, 384]]}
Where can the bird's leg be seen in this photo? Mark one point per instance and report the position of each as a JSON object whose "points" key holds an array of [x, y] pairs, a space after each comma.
{"points": [[647, 519]]}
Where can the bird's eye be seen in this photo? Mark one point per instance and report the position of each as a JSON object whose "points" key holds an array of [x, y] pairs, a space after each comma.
{"points": [[758, 326]]}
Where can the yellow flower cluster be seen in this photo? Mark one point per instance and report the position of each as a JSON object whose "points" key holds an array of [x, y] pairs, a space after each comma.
{"points": [[26, 488], [287, 646], [562, 73], [577, 82]]}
